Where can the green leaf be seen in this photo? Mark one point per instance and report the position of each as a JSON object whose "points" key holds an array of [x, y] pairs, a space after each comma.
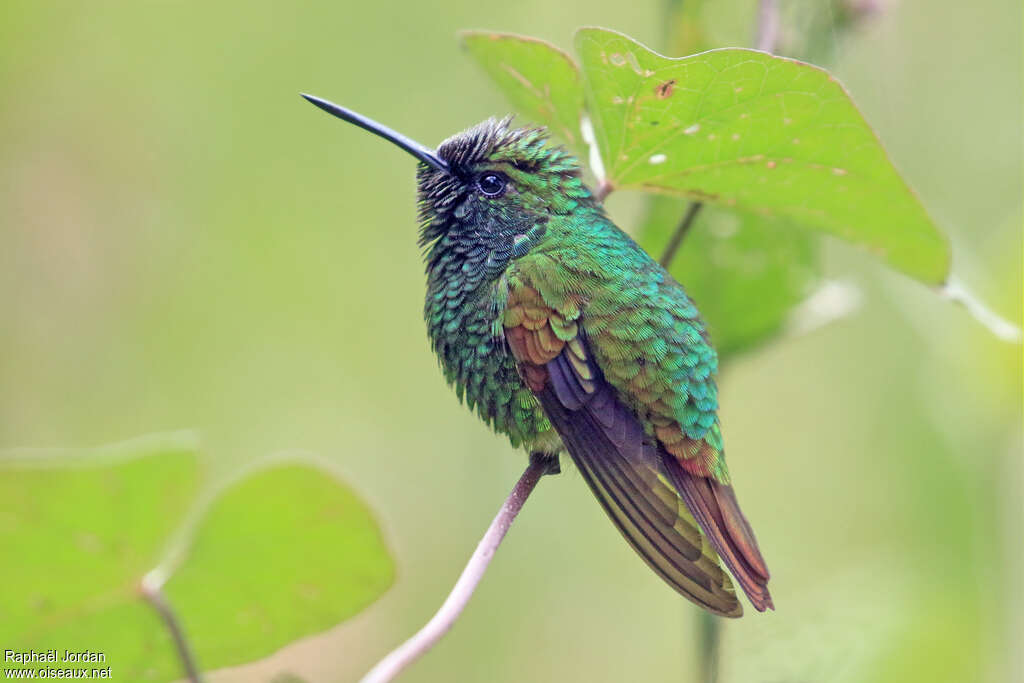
{"points": [[287, 552], [79, 531], [540, 81], [764, 134], [744, 272], [283, 553]]}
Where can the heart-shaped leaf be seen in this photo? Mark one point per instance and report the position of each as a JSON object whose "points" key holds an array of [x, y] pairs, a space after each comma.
{"points": [[287, 552], [764, 134], [279, 555]]}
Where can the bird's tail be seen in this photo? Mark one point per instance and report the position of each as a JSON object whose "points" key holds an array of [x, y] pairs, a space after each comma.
{"points": [[716, 510]]}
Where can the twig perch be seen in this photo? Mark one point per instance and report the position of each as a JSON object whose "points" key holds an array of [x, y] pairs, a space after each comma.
{"points": [[152, 591], [424, 639]]}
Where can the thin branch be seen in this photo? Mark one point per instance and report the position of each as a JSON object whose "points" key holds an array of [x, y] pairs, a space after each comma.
{"points": [[710, 637], [424, 639], [153, 594], [677, 237], [604, 188], [1003, 329], [768, 25]]}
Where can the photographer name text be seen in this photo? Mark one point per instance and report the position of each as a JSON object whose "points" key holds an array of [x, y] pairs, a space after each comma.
{"points": [[32, 656]]}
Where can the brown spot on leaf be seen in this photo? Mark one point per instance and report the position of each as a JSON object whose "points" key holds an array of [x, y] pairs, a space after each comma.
{"points": [[664, 90]]}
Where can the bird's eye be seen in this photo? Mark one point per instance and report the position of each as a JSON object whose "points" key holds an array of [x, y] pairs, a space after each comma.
{"points": [[491, 184]]}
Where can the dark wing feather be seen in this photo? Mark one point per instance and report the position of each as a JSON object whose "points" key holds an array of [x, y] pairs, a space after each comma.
{"points": [[641, 505], [659, 507]]}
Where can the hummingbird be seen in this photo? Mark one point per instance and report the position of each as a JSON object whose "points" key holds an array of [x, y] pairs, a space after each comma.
{"points": [[563, 334]]}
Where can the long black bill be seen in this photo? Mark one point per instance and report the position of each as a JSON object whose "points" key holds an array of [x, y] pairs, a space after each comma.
{"points": [[424, 154]]}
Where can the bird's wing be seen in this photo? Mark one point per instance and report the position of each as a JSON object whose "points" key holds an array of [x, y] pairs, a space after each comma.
{"points": [[625, 469], [651, 347]]}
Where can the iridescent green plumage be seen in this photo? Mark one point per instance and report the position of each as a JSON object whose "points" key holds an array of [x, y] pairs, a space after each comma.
{"points": [[515, 279], [563, 334], [645, 333]]}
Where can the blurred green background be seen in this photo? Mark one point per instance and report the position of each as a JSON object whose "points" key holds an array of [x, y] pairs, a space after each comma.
{"points": [[186, 243]]}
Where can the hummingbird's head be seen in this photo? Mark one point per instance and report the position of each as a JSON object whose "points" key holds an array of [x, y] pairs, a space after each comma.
{"points": [[488, 191], [499, 182]]}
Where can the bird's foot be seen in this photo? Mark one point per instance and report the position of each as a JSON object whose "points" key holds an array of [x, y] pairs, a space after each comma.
{"points": [[550, 459]]}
